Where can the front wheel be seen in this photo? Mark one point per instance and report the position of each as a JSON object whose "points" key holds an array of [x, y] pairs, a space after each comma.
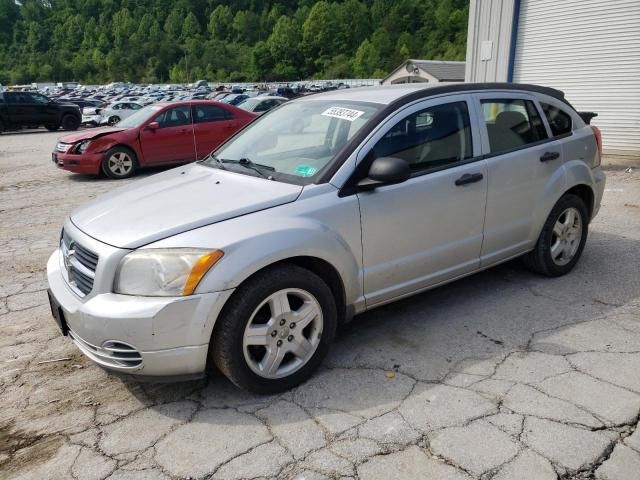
{"points": [[113, 120], [119, 162], [276, 330], [562, 238]]}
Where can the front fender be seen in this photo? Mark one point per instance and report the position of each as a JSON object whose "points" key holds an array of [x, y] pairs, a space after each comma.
{"points": [[253, 242]]}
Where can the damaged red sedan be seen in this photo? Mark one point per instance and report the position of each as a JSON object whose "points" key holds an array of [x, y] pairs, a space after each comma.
{"points": [[159, 134]]}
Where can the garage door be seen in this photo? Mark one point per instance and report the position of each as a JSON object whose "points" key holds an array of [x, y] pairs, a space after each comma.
{"points": [[590, 49]]}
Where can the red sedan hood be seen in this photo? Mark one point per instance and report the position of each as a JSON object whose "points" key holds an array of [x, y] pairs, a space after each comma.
{"points": [[89, 134]]}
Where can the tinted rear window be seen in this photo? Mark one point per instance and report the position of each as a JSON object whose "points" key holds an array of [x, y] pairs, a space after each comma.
{"points": [[559, 121]]}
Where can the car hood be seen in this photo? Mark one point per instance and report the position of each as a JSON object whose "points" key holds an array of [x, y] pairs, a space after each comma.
{"points": [[175, 201], [89, 134]]}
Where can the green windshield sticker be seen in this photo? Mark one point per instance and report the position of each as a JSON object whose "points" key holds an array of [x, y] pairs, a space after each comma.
{"points": [[306, 170]]}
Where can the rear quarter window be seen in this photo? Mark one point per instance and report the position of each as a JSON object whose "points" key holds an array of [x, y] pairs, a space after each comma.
{"points": [[560, 121]]}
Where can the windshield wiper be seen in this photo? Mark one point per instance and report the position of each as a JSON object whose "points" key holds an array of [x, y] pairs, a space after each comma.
{"points": [[218, 161], [246, 163]]}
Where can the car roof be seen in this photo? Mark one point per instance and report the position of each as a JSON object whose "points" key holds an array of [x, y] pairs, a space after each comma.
{"points": [[387, 94]]}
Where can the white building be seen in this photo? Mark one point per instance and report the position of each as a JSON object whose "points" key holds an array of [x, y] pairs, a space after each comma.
{"points": [[590, 49], [423, 71]]}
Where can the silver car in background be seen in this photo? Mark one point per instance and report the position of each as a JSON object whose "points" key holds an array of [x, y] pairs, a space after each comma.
{"points": [[260, 105], [321, 209]]}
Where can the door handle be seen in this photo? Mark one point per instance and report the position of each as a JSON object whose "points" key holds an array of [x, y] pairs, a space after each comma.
{"points": [[548, 156], [469, 178]]}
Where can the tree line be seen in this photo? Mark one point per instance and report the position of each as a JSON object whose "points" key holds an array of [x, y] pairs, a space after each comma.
{"points": [[150, 41]]}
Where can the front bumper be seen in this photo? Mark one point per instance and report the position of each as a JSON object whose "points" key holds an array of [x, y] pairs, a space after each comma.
{"points": [[87, 163], [147, 336]]}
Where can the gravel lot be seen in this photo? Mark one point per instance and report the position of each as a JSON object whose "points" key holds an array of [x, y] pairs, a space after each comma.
{"points": [[503, 375]]}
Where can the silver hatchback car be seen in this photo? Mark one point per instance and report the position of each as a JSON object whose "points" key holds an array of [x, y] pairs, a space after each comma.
{"points": [[323, 208]]}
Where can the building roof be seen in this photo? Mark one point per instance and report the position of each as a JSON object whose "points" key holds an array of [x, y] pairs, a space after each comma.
{"points": [[443, 70]]}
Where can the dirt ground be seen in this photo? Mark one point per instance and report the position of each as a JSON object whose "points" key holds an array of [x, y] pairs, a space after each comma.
{"points": [[503, 375]]}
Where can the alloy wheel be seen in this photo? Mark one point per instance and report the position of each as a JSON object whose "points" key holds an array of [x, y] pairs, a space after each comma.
{"points": [[566, 236], [120, 164], [283, 333]]}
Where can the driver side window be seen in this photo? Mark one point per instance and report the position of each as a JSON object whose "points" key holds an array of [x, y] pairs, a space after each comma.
{"points": [[175, 117], [430, 139]]}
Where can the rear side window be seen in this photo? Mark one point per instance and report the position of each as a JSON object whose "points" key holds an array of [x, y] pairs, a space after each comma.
{"points": [[209, 113], [559, 121], [512, 124], [430, 139], [16, 97]]}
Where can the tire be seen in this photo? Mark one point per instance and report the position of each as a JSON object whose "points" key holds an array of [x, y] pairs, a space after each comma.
{"points": [[562, 239], [113, 120], [70, 122], [1, 127], [250, 307], [119, 163], [51, 127]]}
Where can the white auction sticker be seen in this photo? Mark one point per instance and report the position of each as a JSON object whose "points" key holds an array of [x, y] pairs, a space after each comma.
{"points": [[343, 113]]}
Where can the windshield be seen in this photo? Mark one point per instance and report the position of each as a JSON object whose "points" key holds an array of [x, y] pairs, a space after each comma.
{"points": [[138, 118], [296, 141]]}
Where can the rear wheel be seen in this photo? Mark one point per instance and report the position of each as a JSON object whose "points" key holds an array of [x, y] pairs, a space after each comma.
{"points": [[70, 122], [52, 127], [119, 162], [276, 330], [562, 238]]}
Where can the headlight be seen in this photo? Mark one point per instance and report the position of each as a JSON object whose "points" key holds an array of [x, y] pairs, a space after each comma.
{"points": [[164, 272], [82, 146]]}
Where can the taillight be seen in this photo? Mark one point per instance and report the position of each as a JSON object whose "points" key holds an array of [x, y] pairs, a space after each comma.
{"points": [[598, 134]]}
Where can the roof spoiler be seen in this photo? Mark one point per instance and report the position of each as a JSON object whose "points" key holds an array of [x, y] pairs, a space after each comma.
{"points": [[587, 116]]}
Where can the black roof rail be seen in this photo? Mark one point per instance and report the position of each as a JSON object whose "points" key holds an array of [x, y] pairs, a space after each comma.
{"points": [[471, 87]]}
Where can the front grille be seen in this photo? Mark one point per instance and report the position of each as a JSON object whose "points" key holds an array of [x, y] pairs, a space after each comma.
{"points": [[80, 264], [113, 353]]}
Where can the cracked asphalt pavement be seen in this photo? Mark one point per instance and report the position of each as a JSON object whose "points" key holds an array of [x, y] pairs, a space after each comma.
{"points": [[503, 375]]}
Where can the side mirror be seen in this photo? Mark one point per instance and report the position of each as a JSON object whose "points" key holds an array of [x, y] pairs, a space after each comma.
{"points": [[385, 171], [153, 126]]}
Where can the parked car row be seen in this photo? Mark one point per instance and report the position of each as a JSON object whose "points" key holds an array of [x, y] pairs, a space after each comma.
{"points": [[108, 104]]}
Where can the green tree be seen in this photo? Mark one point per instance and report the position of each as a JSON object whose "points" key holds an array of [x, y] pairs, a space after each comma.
{"points": [[284, 46], [177, 40], [221, 22], [366, 60], [190, 27]]}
